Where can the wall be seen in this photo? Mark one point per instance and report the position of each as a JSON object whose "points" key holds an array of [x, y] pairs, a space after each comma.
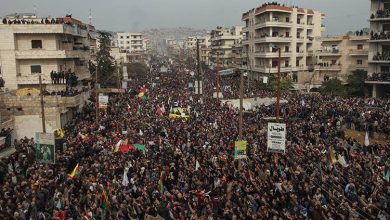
{"points": [[23, 41], [28, 125], [47, 65]]}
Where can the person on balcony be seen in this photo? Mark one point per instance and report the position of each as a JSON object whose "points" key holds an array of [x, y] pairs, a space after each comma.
{"points": [[2, 82]]}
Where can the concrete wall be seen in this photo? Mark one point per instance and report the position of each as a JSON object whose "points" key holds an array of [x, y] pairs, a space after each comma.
{"points": [[23, 42], [28, 125]]}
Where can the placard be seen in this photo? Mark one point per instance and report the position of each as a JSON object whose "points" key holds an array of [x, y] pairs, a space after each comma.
{"points": [[240, 150], [45, 147], [276, 137]]}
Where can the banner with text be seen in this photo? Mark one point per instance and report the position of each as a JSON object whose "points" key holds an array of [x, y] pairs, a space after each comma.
{"points": [[240, 150], [276, 137]]}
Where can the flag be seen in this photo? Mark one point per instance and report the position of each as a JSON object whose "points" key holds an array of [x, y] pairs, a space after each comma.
{"points": [[342, 161], [197, 165], [125, 181], [74, 172], [163, 109], [139, 147], [159, 111], [366, 140], [104, 199], [140, 132], [128, 107], [333, 159], [117, 145], [387, 177], [161, 182]]}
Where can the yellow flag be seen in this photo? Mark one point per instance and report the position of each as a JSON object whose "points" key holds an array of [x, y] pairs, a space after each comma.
{"points": [[332, 156]]}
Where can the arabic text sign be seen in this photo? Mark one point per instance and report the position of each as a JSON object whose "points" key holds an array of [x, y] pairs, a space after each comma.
{"points": [[240, 149], [276, 137], [103, 101]]}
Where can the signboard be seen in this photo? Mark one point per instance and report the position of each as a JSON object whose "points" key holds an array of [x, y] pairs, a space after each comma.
{"points": [[190, 85], [45, 147], [240, 150], [265, 80], [276, 137], [227, 72], [220, 95], [103, 101], [124, 85]]}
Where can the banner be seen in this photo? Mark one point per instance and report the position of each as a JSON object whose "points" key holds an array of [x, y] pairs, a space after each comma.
{"points": [[103, 101], [276, 137], [240, 150], [45, 147]]}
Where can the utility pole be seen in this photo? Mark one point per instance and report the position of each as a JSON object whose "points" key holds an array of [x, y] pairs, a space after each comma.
{"points": [[97, 92], [198, 59], [42, 105], [217, 77], [278, 95], [241, 105]]}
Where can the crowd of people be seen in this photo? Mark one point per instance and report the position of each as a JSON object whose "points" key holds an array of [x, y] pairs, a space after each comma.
{"points": [[64, 77], [381, 56], [384, 76], [381, 35], [33, 21], [187, 170], [381, 13]]}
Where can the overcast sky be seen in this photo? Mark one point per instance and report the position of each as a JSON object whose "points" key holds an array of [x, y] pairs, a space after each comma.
{"points": [[137, 15]]}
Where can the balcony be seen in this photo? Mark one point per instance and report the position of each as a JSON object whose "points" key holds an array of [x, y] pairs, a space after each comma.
{"points": [[329, 53], [278, 39], [51, 54], [301, 25], [279, 24], [299, 53], [33, 79], [379, 61], [331, 39], [356, 52], [270, 54], [380, 15], [327, 68], [272, 69], [310, 53]]}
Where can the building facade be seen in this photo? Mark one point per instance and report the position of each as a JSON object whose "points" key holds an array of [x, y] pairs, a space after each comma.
{"points": [[131, 42], [222, 41], [339, 56], [379, 49], [38, 46], [293, 30]]}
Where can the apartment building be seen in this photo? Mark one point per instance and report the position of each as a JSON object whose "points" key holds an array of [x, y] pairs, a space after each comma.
{"points": [[379, 49], [222, 41], [31, 47], [41, 46], [131, 42], [293, 30], [339, 56]]}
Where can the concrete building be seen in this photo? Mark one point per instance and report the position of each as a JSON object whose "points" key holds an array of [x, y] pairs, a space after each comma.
{"points": [[31, 47], [222, 41], [294, 30], [28, 50], [131, 42], [338, 57], [379, 49]]}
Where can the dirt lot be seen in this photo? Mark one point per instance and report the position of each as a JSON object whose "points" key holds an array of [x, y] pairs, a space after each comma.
{"points": [[358, 135]]}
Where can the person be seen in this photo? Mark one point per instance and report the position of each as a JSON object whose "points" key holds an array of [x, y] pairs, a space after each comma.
{"points": [[2, 82]]}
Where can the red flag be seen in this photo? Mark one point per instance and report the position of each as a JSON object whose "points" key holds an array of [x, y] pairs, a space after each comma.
{"points": [[158, 111], [126, 148]]}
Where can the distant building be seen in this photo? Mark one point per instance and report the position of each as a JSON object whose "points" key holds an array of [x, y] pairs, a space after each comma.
{"points": [[222, 41], [131, 42]]}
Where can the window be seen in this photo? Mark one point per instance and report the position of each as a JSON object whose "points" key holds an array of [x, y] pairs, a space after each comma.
{"points": [[298, 21], [36, 44], [121, 37], [128, 37], [287, 34], [359, 62], [36, 69], [128, 42], [334, 62], [121, 42], [297, 63], [360, 46], [287, 19]]}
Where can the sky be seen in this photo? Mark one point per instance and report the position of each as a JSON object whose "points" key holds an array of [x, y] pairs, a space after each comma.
{"points": [[138, 15]]}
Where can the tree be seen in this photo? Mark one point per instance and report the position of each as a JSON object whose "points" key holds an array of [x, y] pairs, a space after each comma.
{"points": [[105, 63], [285, 83], [333, 87], [356, 83]]}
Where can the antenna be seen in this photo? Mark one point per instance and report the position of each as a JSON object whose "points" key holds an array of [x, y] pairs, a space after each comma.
{"points": [[35, 9], [90, 17]]}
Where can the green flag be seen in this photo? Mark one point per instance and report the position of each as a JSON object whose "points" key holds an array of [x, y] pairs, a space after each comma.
{"points": [[139, 147]]}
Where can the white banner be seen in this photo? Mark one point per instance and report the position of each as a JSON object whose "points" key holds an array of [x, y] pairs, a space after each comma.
{"points": [[276, 137], [103, 101]]}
